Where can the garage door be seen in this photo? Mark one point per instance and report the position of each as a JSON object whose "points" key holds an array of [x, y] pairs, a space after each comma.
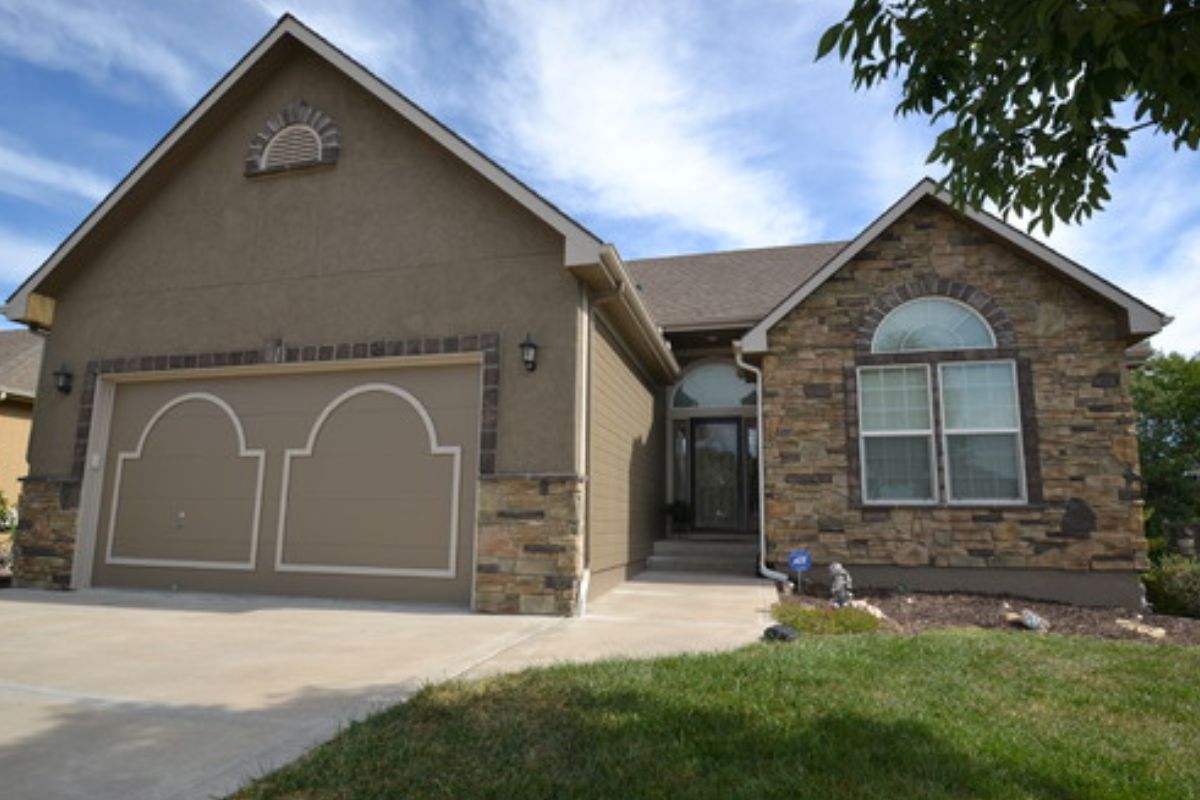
{"points": [[348, 483]]}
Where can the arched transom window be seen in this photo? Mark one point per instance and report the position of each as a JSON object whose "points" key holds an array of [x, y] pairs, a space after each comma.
{"points": [[932, 323], [939, 423], [714, 386]]}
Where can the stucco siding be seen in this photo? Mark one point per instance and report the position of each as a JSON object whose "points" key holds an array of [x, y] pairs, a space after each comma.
{"points": [[400, 239], [625, 475]]}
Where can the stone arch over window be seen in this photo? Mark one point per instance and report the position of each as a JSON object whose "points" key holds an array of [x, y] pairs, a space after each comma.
{"points": [[298, 137], [934, 287]]}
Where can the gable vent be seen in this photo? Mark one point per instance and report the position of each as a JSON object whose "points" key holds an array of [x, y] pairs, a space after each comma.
{"points": [[298, 136], [292, 146]]}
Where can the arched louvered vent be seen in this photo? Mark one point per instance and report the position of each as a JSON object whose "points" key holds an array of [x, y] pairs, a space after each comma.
{"points": [[294, 146], [298, 136]]}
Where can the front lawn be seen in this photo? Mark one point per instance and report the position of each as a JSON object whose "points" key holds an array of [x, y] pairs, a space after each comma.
{"points": [[944, 714]]}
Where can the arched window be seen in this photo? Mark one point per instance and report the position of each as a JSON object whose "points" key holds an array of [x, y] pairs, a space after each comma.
{"points": [[973, 442], [294, 146], [714, 386], [932, 323]]}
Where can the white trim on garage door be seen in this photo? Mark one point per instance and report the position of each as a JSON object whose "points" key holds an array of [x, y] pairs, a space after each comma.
{"points": [[91, 495], [136, 453], [306, 452]]}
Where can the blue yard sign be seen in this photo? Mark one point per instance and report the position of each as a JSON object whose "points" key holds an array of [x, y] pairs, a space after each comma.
{"points": [[800, 560]]}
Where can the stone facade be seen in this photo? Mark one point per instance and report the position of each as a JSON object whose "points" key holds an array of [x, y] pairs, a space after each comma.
{"points": [[530, 548], [44, 545], [1083, 511]]}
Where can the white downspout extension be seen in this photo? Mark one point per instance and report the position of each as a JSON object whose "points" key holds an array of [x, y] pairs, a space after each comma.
{"points": [[585, 335], [763, 569]]}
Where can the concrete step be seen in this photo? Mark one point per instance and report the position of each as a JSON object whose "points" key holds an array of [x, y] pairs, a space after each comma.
{"points": [[714, 536], [691, 547], [702, 563]]}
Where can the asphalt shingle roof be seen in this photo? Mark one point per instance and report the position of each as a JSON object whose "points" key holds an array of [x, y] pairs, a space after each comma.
{"points": [[738, 286], [20, 360]]}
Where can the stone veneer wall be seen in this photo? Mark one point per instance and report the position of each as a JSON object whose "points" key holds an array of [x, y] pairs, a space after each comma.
{"points": [[44, 544], [530, 550], [1084, 511]]}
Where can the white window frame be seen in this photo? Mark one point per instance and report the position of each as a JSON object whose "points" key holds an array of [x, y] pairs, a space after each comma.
{"points": [[939, 298], [1023, 497], [931, 435]]}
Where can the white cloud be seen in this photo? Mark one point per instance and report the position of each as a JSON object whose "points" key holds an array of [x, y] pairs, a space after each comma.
{"points": [[19, 257], [371, 31], [1148, 239], [1175, 289], [608, 104], [44, 180], [96, 41]]}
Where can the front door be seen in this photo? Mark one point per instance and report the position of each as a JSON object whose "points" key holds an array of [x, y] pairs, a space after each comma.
{"points": [[717, 459]]}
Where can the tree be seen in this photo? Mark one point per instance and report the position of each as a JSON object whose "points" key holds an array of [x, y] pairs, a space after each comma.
{"points": [[1166, 393], [1041, 96]]}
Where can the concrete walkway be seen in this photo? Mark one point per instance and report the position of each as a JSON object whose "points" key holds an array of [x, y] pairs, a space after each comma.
{"points": [[139, 695]]}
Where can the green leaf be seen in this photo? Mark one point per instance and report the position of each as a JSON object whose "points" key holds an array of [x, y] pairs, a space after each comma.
{"points": [[828, 40]]}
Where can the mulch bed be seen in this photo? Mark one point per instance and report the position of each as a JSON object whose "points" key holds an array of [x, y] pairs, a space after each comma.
{"points": [[921, 611]]}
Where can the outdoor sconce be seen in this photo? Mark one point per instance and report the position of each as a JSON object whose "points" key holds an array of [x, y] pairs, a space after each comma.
{"points": [[63, 379], [529, 350]]}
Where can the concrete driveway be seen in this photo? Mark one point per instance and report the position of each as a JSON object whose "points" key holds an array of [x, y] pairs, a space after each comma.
{"points": [[132, 695]]}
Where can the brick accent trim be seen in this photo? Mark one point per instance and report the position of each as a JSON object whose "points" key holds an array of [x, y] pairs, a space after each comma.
{"points": [[935, 286], [297, 112], [486, 343]]}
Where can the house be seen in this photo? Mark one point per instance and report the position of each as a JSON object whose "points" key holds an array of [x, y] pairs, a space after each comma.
{"points": [[322, 346], [20, 357]]}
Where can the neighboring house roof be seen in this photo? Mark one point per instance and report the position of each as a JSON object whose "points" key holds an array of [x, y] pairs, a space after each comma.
{"points": [[20, 361], [1142, 320], [730, 289], [582, 246]]}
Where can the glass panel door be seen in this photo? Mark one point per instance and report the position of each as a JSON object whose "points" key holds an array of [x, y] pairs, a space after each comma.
{"points": [[716, 473]]}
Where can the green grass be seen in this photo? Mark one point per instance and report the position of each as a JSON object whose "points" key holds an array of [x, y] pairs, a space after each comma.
{"points": [[824, 620], [946, 714]]}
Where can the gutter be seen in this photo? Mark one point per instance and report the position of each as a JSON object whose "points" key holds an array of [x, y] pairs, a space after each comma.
{"points": [[763, 569], [618, 278]]}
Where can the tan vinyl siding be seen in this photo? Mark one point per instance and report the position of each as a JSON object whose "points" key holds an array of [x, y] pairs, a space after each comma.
{"points": [[626, 464], [15, 421]]}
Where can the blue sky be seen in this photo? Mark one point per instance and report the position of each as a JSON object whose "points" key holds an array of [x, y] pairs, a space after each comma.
{"points": [[665, 127]]}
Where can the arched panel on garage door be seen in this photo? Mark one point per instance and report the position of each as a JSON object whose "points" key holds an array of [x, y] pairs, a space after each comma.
{"points": [[190, 493], [372, 492]]}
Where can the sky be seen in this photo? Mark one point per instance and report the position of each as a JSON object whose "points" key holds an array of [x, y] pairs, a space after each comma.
{"points": [[665, 127]]}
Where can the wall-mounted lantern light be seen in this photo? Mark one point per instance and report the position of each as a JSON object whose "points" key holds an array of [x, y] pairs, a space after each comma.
{"points": [[63, 379], [529, 350]]}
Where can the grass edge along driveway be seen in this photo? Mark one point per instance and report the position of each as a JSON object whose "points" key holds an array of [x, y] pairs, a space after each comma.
{"points": [[945, 714]]}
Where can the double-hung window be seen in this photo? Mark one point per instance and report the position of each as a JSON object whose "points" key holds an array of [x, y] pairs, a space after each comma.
{"points": [[897, 433], [942, 425]]}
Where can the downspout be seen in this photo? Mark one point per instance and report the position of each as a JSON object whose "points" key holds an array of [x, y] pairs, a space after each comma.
{"points": [[584, 466], [763, 569]]}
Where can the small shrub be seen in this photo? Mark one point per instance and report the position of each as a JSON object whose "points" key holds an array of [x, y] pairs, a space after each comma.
{"points": [[824, 620], [1173, 586]]}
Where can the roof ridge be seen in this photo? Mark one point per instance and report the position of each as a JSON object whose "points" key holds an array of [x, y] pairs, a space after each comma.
{"points": [[740, 251]]}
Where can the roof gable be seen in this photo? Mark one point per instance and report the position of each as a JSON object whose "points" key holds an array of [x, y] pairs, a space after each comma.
{"points": [[1142, 320], [580, 245]]}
